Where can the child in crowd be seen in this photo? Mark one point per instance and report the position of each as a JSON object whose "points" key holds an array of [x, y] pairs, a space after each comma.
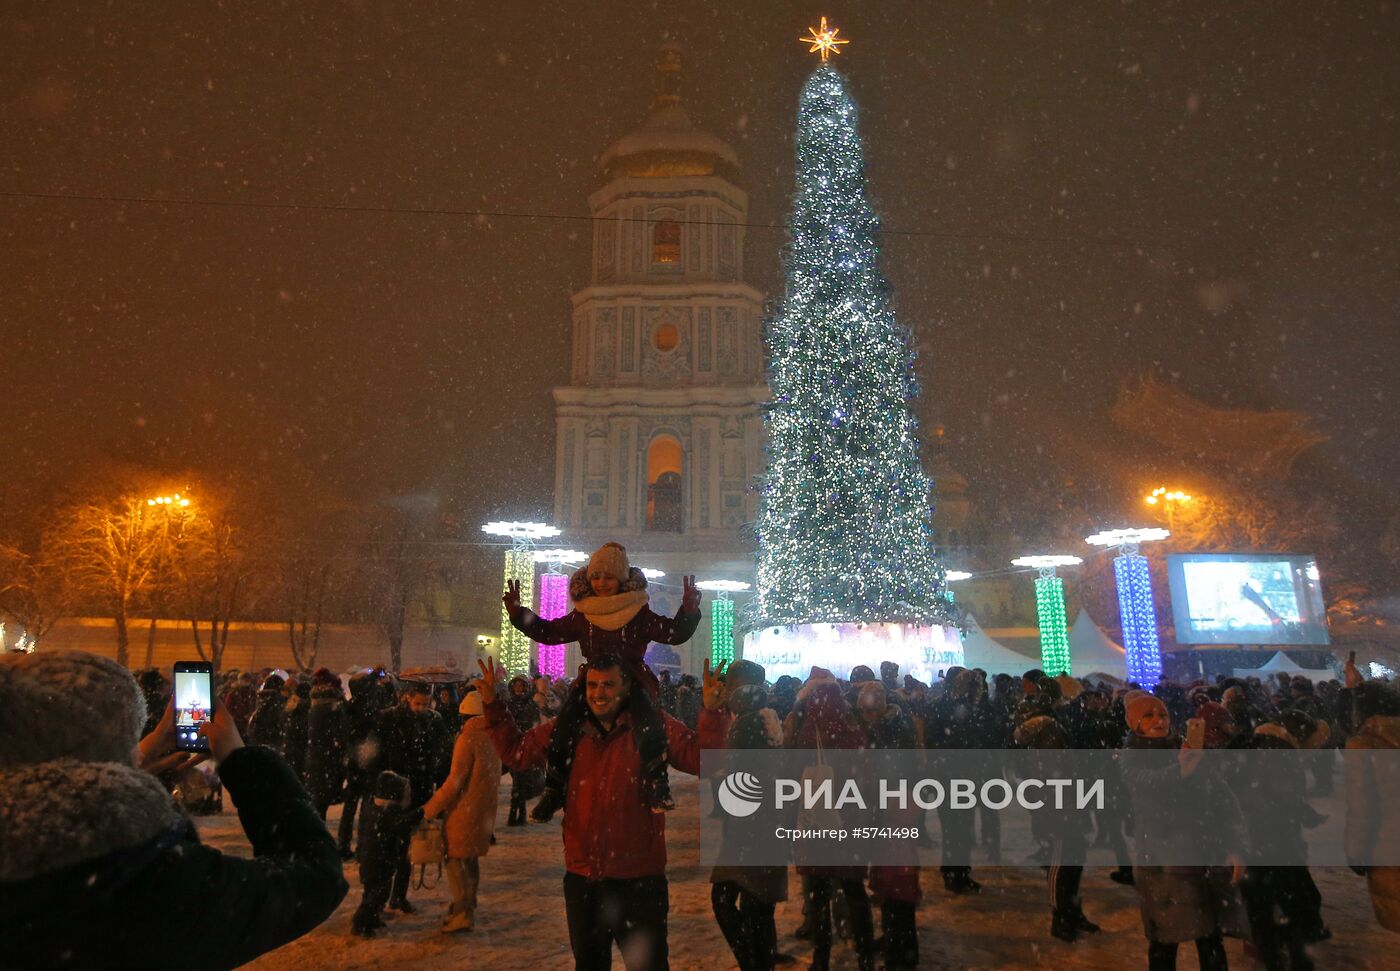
{"points": [[386, 824], [610, 616]]}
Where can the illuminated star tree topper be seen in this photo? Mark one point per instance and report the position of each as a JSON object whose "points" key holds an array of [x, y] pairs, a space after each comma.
{"points": [[823, 41]]}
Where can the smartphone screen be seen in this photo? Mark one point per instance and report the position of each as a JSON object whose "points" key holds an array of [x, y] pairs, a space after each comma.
{"points": [[194, 703], [1195, 733]]}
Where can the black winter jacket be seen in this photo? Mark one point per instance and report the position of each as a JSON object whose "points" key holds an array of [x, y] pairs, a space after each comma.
{"points": [[327, 741], [269, 717], [412, 745], [143, 891]]}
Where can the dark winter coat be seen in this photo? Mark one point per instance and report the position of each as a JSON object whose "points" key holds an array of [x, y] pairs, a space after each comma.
{"points": [[753, 727], [366, 701], [1272, 792], [1178, 818], [822, 719], [689, 701], [385, 829], [628, 642], [964, 723], [266, 727], [413, 745], [241, 702], [328, 737], [1091, 729], [135, 888], [608, 830], [895, 730], [522, 706], [296, 728]]}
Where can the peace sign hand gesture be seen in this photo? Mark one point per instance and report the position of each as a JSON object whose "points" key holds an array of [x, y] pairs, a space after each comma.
{"points": [[714, 691], [490, 675], [512, 597], [690, 599]]}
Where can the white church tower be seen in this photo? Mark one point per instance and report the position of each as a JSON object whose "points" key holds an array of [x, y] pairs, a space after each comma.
{"points": [[659, 437]]}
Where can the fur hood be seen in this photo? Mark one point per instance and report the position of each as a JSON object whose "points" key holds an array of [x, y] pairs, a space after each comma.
{"points": [[581, 589], [325, 694], [756, 730], [1378, 731], [57, 814]]}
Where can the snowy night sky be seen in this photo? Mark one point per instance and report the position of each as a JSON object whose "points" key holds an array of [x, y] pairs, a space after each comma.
{"points": [[1073, 193]]}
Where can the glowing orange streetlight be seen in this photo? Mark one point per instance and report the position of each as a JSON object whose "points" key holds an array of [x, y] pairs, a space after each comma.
{"points": [[1170, 499]]}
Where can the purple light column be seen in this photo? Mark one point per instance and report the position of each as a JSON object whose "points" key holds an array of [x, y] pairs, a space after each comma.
{"points": [[554, 603]]}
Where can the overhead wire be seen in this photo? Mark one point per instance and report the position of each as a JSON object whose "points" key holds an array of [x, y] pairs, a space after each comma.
{"points": [[528, 215]]}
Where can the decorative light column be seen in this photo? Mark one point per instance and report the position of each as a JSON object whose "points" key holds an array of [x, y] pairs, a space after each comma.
{"points": [[1050, 611], [722, 617], [520, 567], [1135, 608], [554, 603]]}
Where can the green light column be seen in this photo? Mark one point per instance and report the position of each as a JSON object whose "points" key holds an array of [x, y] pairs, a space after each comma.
{"points": [[721, 630], [1054, 632]]}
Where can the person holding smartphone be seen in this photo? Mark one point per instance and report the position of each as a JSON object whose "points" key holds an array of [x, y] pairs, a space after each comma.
{"points": [[1181, 811], [98, 867]]}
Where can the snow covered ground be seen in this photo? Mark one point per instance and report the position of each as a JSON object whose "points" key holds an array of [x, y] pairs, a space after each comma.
{"points": [[520, 920]]}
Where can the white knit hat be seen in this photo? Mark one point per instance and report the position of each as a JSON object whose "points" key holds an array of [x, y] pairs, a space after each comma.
{"points": [[67, 705], [611, 558]]}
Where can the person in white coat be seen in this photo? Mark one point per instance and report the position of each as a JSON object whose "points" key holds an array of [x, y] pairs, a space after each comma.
{"points": [[467, 801]]}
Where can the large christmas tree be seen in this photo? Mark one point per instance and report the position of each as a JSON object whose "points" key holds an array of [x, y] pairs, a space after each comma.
{"points": [[844, 527]]}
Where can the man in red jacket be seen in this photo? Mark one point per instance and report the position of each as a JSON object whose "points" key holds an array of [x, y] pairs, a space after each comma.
{"points": [[614, 846]]}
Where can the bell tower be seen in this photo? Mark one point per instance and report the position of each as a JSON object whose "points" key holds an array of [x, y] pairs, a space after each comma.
{"points": [[658, 434]]}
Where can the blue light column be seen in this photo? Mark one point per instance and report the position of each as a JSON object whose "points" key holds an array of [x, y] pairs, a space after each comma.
{"points": [[1139, 617]]}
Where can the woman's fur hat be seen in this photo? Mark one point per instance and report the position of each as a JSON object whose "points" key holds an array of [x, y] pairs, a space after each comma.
{"points": [[67, 705]]}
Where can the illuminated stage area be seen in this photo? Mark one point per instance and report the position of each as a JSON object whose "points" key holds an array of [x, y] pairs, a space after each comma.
{"points": [[920, 651]]}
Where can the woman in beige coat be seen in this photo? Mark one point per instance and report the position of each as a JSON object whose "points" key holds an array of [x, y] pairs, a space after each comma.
{"points": [[1373, 793], [468, 800]]}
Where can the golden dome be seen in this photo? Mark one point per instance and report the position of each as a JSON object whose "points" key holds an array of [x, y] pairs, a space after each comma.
{"points": [[668, 144]]}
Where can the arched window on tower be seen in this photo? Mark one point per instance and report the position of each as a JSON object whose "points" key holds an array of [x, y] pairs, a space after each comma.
{"points": [[666, 242], [664, 485]]}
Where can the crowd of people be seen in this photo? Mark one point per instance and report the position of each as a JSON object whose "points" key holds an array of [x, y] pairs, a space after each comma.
{"points": [[394, 753], [84, 817]]}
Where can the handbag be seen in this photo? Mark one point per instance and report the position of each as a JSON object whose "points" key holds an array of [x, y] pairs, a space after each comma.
{"points": [[818, 817], [427, 846]]}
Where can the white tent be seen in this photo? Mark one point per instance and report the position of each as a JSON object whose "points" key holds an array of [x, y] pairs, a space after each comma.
{"points": [[1091, 651], [1281, 663], [980, 651]]}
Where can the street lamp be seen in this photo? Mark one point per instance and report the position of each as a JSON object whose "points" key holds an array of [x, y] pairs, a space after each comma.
{"points": [[1139, 617], [520, 567], [554, 603], [174, 505], [722, 617], [1050, 611], [1169, 499]]}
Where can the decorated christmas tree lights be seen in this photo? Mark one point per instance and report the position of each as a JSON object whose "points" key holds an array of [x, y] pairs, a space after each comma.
{"points": [[844, 524]]}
